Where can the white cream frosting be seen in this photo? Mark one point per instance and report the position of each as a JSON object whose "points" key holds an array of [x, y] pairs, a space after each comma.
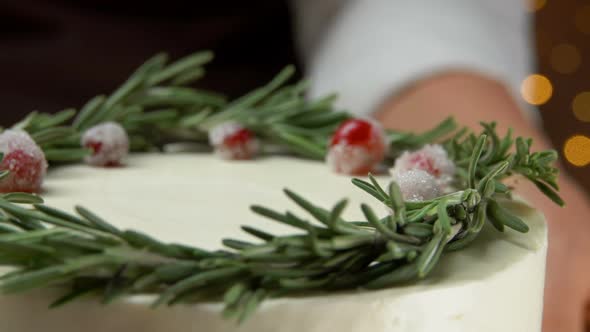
{"points": [[495, 285]]}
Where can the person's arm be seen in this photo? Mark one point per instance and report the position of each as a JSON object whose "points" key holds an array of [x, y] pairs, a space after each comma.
{"points": [[413, 63]]}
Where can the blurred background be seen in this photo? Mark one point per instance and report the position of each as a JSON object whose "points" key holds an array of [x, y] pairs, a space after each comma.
{"points": [[59, 53], [562, 86]]}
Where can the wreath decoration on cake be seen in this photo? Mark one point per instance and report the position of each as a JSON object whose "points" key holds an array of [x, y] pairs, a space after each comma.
{"points": [[447, 183]]}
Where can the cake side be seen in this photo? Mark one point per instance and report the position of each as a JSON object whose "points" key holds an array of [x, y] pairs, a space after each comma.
{"points": [[198, 200]]}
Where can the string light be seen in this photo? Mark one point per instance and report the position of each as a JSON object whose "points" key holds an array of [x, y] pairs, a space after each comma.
{"points": [[581, 106], [536, 89], [577, 150], [565, 58]]}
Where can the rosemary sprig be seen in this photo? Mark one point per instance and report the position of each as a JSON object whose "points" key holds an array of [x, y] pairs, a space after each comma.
{"points": [[536, 167], [85, 254], [156, 105], [148, 105], [281, 115]]}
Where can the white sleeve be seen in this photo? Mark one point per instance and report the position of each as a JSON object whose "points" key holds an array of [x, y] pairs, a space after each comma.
{"points": [[367, 50]]}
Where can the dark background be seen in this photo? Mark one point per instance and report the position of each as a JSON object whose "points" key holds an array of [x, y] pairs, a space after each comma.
{"points": [[58, 54], [560, 22]]}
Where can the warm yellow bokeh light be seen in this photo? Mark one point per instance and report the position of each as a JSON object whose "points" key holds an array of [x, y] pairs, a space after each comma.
{"points": [[581, 106], [536, 89], [534, 5], [577, 150], [582, 19], [565, 58]]}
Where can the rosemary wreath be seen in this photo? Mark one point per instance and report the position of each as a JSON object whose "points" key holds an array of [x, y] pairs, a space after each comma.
{"points": [[85, 254]]}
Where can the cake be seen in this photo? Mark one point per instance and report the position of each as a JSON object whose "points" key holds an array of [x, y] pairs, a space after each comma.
{"points": [[438, 243], [495, 284]]}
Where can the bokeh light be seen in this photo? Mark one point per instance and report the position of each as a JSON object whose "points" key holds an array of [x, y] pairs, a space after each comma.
{"points": [[534, 5], [577, 150], [565, 58], [581, 106], [582, 19], [536, 89]]}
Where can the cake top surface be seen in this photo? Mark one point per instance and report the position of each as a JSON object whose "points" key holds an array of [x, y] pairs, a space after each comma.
{"points": [[198, 199]]}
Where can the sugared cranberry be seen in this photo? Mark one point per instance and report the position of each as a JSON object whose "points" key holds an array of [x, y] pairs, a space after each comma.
{"points": [[232, 141], [432, 159], [108, 143], [24, 159], [357, 147], [417, 185]]}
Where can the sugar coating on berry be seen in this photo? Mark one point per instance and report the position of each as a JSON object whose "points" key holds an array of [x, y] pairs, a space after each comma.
{"points": [[233, 141], [108, 142], [432, 158], [417, 185], [351, 160], [218, 133], [357, 147], [24, 159]]}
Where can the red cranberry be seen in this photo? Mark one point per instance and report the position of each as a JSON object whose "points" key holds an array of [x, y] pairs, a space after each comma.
{"points": [[357, 147], [24, 159], [108, 143], [234, 142]]}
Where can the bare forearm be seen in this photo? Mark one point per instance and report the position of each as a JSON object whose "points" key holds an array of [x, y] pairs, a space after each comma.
{"points": [[468, 97]]}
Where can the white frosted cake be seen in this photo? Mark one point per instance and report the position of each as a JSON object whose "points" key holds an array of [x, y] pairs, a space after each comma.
{"points": [[494, 285]]}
